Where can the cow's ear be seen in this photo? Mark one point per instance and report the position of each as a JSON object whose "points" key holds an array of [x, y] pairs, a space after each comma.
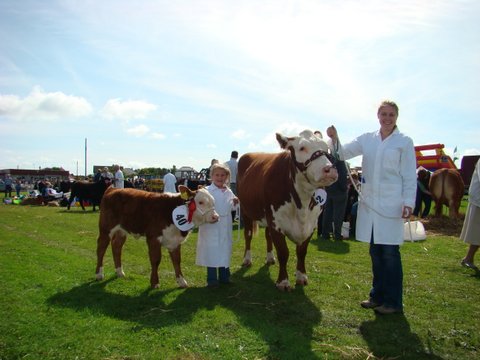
{"points": [[282, 140], [185, 192], [307, 134], [200, 187]]}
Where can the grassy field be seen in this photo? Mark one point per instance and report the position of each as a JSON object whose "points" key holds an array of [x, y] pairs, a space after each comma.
{"points": [[51, 307]]}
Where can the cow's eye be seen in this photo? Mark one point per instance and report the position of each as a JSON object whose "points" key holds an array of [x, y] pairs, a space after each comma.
{"points": [[200, 203], [302, 148]]}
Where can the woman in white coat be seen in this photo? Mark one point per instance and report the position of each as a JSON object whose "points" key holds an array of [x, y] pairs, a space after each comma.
{"points": [[214, 245], [471, 225], [389, 184]]}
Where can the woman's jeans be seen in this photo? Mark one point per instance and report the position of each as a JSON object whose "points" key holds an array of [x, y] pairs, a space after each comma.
{"points": [[223, 275], [387, 284]]}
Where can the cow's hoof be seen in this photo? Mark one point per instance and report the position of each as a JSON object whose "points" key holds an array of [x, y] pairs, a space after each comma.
{"points": [[247, 259], [182, 283], [270, 260], [284, 285], [99, 276], [247, 263], [155, 286], [120, 272], [301, 278]]}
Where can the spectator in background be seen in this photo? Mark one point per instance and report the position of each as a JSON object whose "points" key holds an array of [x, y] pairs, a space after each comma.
{"points": [[352, 202], [106, 174], [98, 175], [118, 180], [471, 225], [18, 187], [8, 185], [423, 192], [320, 217], [169, 182], [208, 179], [233, 166], [334, 208]]}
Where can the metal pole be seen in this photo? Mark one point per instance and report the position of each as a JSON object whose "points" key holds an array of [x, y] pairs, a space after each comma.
{"points": [[85, 157]]}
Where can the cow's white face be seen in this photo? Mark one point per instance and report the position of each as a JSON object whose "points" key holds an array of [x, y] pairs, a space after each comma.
{"points": [[309, 149], [204, 208]]}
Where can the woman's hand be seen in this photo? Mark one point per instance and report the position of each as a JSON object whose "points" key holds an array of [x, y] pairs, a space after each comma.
{"points": [[406, 212]]}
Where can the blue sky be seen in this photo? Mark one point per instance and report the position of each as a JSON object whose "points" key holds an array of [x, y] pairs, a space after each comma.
{"points": [[163, 83]]}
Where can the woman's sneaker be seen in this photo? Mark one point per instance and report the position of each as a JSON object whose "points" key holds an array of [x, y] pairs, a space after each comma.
{"points": [[369, 304], [469, 265]]}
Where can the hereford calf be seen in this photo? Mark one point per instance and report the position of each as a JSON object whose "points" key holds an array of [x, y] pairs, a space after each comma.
{"points": [[280, 192], [447, 188], [141, 213]]}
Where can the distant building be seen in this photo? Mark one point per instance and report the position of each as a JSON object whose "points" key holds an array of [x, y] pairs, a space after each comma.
{"points": [[186, 172]]}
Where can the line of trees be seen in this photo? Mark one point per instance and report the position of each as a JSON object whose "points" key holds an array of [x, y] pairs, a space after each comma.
{"points": [[154, 172]]}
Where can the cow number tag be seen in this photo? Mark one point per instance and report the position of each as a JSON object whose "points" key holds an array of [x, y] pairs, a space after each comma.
{"points": [[320, 196], [180, 218]]}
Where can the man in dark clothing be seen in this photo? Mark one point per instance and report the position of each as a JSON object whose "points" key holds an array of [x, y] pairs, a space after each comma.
{"points": [[334, 208], [98, 175], [352, 202], [423, 193]]}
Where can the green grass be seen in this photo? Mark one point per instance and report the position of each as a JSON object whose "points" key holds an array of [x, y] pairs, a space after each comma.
{"points": [[51, 308]]}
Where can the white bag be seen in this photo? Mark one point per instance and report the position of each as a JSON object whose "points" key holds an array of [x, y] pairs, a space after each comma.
{"points": [[414, 231]]}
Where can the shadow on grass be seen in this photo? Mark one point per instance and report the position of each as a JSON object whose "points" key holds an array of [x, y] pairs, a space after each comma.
{"points": [[331, 246], [389, 336], [78, 211], [280, 319]]}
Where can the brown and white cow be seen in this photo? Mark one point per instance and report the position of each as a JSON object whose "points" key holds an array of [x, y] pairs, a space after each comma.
{"points": [[141, 213], [277, 190], [447, 188]]}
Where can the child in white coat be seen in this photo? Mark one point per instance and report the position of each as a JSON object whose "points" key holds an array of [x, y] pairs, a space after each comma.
{"points": [[214, 246]]}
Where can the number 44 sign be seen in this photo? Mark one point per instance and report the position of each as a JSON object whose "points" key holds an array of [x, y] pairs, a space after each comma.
{"points": [[180, 218]]}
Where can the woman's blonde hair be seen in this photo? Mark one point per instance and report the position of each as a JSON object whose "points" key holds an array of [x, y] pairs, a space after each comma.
{"points": [[388, 103]]}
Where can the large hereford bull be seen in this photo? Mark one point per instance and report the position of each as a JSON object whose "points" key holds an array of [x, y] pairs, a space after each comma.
{"points": [[141, 213], [447, 188], [277, 190]]}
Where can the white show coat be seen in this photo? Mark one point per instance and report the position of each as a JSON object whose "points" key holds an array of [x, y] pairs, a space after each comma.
{"points": [[474, 189], [389, 182], [118, 180], [169, 181], [214, 245]]}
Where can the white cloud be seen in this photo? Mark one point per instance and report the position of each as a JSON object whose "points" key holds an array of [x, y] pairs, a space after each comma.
{"points": [[240, 134], [40, 105], [472, 152], [211, 146], [158, 136], [127, 110], [138, 131]]}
